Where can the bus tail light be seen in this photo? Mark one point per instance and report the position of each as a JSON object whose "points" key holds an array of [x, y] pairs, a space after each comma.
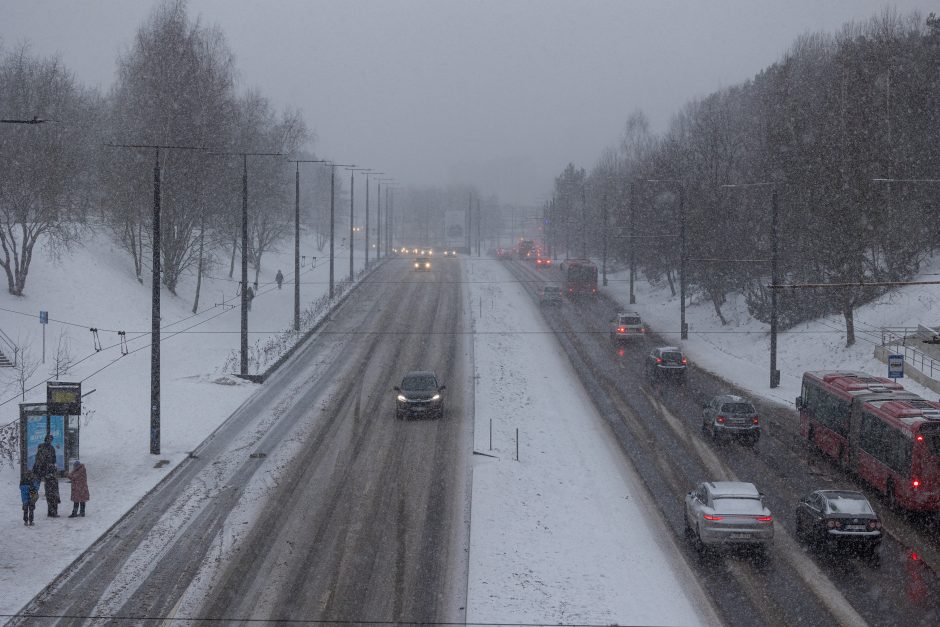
{"points": [[915, 483], [621, 329]]}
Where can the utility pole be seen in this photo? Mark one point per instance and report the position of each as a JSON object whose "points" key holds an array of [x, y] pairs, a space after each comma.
{"points": [[583, 224], [297, 162], [469, 221], [684, 328], [352, 216], [367, 212], [774, 373], [632, 240], [155, 283], [333, 223], [604, 254], [388, 235], [479, 222]]}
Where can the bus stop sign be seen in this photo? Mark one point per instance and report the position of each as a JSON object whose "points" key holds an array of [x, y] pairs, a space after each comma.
{"points": [[896, 366]]}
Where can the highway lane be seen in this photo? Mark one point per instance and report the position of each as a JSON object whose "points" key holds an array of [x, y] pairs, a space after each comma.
{"points": [[367, 517], [659, 427]]}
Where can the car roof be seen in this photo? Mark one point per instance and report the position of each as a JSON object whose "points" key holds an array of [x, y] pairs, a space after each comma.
{"points": [[842, 494], [628, 313], [733, 488], [731, 398], [420, 373]]}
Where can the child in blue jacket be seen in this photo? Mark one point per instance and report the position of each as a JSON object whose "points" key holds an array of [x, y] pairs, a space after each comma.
{"points": [[29, 494]]}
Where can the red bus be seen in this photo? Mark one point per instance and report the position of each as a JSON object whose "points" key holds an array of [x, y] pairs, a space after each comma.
{"points": [[887, 436], [580, 278]]}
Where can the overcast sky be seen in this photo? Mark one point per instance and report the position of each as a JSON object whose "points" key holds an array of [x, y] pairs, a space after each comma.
{"points": [[501, 94]]}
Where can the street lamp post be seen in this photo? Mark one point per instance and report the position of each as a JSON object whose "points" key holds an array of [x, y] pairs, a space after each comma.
{"points": [[367, 212], [333, 222], [632, 240], [352, 216], [155, 290], [297, 162], [378, 216]]}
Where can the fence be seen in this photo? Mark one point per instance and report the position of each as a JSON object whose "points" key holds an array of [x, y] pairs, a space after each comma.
{"points": [[898, 338]]}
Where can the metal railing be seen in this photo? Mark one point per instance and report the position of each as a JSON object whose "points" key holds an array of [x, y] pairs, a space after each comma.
{"points": [[897, 339], [6, 341]]}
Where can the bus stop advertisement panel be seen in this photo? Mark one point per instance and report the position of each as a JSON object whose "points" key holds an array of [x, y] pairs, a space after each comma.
{"points": [[35, 423]]}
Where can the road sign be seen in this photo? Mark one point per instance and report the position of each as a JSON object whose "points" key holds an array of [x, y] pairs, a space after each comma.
{"points": [[896, 366], [43, 317]]}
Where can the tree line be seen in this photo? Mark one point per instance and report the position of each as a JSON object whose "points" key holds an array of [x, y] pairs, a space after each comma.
{"points": [[175, 86], [845, 127]]}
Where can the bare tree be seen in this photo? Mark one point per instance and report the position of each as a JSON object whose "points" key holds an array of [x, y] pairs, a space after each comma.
{"points": [[63, 359]]}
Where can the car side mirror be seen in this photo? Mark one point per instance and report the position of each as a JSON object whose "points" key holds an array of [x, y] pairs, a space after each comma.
{"points": [[396, 389]]}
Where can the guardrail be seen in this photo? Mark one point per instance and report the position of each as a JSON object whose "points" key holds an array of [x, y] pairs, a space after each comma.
{"points": [[897, 338]]}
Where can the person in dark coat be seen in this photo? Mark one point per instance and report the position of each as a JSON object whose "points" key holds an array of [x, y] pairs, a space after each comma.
{"points": [[79, 478], [251, 296], [29, 494], [45, 468], [279, 277]]}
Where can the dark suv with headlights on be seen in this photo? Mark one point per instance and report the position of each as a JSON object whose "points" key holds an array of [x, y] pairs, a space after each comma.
{"points": [[666, 362], [839, 517], [420, 394], [422, 264], [731, 416]]}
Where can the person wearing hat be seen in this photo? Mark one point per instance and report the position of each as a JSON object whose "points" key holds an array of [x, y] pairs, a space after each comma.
{"points": [[45, 468], [79, 478]]}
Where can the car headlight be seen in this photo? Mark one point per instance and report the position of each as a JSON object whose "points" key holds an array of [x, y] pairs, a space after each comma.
{"points": [[402, 398], [436, 397]]}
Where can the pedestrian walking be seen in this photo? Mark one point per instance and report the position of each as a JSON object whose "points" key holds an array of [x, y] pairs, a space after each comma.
{"points": [[29, 494], [279, 277], [251, 296], [79, 478], [45, 468]]}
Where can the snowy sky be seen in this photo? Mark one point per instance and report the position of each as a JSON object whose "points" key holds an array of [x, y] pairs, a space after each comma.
{"points": [[499, 93]]}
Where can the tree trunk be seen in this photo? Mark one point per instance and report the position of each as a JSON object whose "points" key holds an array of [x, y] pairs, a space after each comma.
{"points": [[716, 301], [847, 312], [140, 252], [672, 286], [202, 240]]}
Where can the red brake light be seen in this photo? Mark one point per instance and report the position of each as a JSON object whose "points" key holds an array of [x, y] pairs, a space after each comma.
{"points": [[720, 419], [919, 438], [684, 361], [621, 329], [710, 517], [874, 524], [915, 483], [915, 556], [833, 524], [659, 360], [765, 518], [755, 420]]}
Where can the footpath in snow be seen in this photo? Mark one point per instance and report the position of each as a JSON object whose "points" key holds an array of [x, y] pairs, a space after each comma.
{"points": [[562, 535], [93, 287], [739, 351]]}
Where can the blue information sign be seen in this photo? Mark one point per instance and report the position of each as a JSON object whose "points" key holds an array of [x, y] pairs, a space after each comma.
{"points": [[896, 366], [43, 317]]}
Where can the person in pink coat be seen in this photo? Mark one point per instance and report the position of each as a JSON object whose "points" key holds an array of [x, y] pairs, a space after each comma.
{"points": [[79, 478]]}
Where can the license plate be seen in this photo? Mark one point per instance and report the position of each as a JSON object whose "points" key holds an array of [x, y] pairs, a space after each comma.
{"points": [[855, 527], [739, 536]]}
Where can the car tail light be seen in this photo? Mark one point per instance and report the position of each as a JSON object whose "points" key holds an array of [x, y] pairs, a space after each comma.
{"points": [[621, 329], [720, 419], [755, 420], [642, 329], [684, 361], [915, 483], [710, 517], [659, 360], [919, 438], [764, 518], [874, 524], [834, 524]]}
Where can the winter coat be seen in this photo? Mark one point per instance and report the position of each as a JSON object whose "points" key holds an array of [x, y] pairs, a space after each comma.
{"points": [[79, 479], [52, 490], [29, 492], [45, 461]]}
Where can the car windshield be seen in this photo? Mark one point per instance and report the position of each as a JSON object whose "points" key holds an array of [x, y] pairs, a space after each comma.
{"points": [[672, 357], [552, 290], [737, 408], [738, 505], [631, 320], [849, 504], [419, 383]]}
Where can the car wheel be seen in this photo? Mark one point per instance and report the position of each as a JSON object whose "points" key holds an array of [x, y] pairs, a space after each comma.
{"points": [[399, 414], [699, 545]]}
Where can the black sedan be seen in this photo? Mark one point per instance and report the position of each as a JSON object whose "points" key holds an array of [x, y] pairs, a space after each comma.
{"points": [[839, 518], [420, 394]]}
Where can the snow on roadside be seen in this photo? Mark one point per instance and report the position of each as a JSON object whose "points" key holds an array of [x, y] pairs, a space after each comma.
{"points": [[560, 536], [739, 352], [93, 287]]}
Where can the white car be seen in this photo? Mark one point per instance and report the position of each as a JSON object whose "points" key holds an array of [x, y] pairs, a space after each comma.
{"points": [[721, 513], [626, 326]]}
